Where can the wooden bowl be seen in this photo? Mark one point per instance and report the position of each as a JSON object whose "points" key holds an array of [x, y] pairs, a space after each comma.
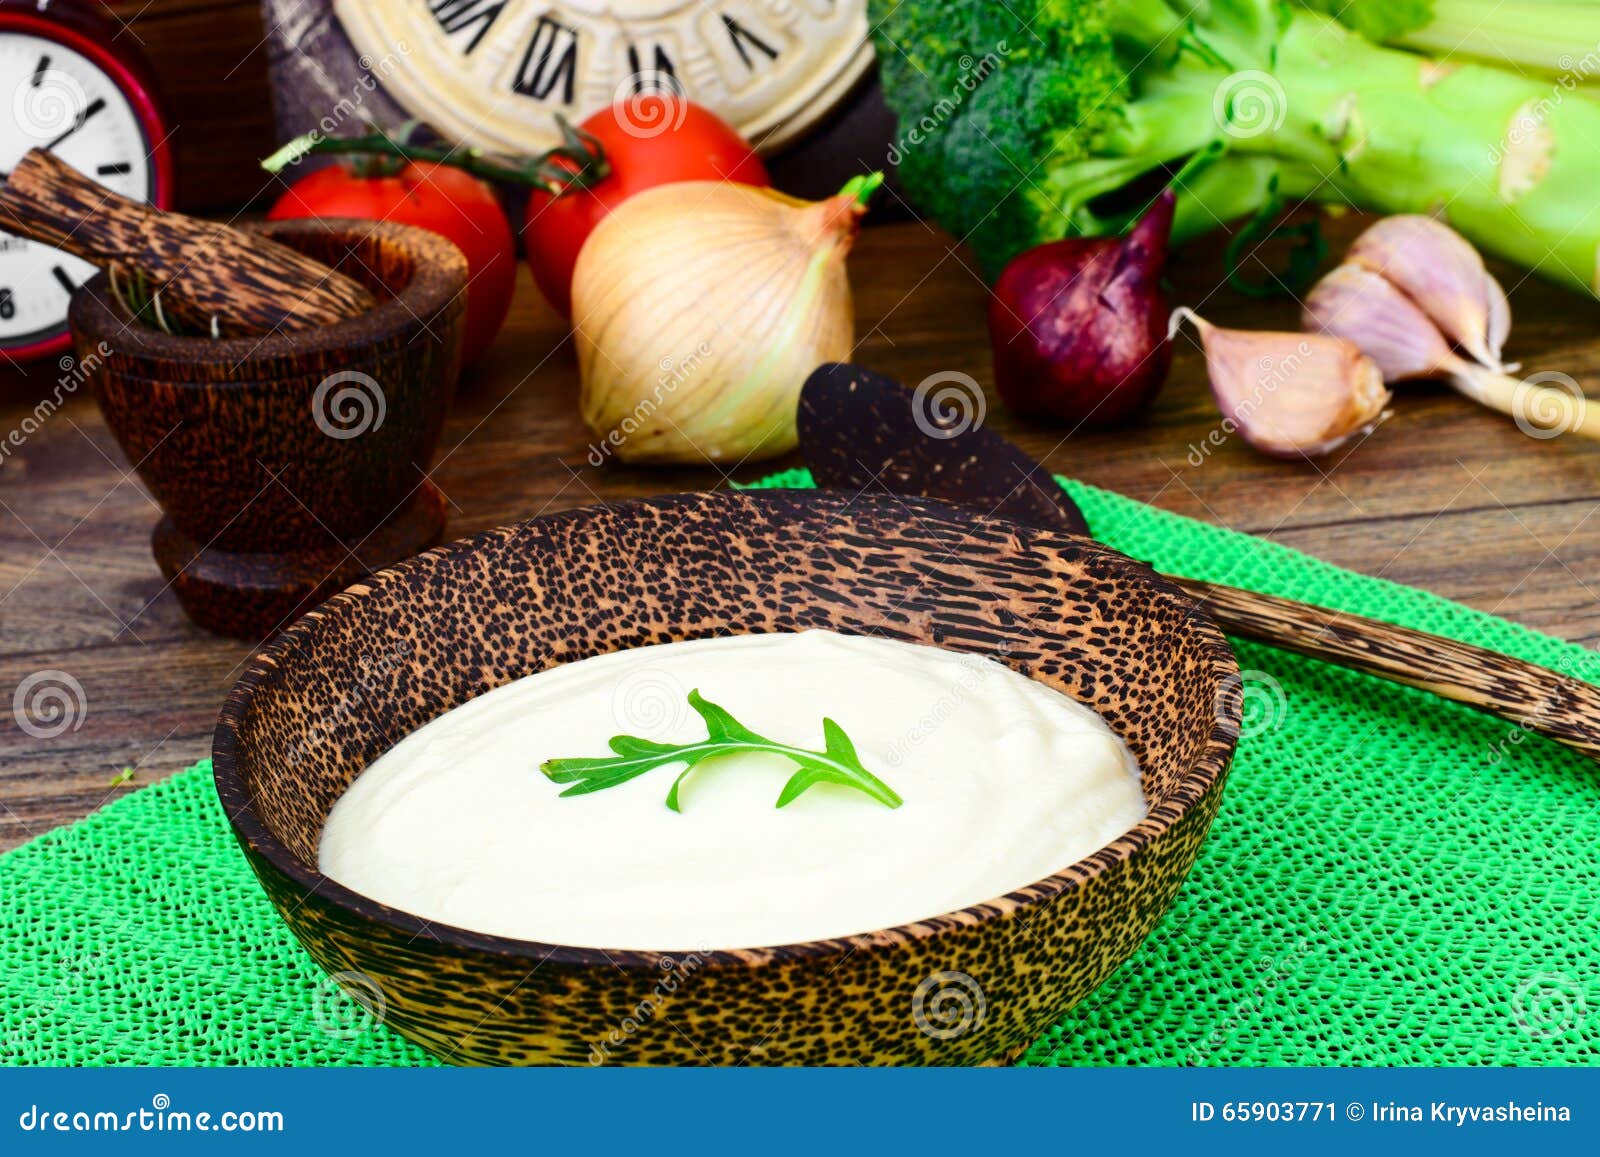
{"points": [[374, 663], [290, 465]]}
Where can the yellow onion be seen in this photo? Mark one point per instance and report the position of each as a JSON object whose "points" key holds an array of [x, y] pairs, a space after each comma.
{"points": [[699, 309]]}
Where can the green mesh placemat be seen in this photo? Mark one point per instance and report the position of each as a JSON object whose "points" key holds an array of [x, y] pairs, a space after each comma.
{"points": [[1392, 880]]}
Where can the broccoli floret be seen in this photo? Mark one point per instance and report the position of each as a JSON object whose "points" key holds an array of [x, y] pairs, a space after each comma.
{"points": [[980, 91], [1016, 118]]}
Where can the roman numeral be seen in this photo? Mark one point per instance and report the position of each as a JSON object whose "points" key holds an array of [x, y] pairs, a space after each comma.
{"points": [[118, 169], [39, 70], [661, 75], [744, 40], [61, 276], [458, 16], [551, 60]]}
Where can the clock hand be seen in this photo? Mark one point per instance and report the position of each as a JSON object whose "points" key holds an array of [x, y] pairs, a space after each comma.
{"points": [[79, 121]]}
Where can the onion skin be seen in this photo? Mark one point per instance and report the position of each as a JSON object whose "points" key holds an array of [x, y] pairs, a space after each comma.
{"points": [[1079, 327], [699, 310]]}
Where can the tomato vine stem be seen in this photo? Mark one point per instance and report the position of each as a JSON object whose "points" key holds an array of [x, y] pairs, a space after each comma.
{"points": [[578, 162]]}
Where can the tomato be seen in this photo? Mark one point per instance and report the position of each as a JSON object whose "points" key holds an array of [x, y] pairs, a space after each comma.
{"points": [[650, 139], [438, 197]]}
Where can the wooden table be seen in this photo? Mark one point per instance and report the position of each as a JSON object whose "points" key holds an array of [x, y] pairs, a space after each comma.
{"points": [[1444, 496]]}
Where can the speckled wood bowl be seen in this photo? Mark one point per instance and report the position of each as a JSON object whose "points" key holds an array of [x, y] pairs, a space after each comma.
{"points": [[357, 674]]}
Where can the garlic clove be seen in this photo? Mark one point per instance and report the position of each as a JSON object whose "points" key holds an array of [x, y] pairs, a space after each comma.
{"points": [[1356, 304], [1444, 275], [1290, 395]]}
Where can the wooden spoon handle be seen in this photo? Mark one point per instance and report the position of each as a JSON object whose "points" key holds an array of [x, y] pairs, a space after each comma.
{"points": [[1531, 697], [202, 269]]}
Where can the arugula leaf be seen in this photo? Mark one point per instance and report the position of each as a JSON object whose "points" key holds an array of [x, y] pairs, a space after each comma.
{"points": [[837, 763]]}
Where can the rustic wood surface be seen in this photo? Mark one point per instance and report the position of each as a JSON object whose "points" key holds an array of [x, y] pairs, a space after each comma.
{"points": [[1444, 496]]}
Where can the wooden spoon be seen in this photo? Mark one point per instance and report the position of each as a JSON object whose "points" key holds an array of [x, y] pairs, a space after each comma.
{"points": [[208, 277], [861, 431]]}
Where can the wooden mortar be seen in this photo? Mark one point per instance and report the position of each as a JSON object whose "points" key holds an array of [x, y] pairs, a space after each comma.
{"points": [[289, 465]]}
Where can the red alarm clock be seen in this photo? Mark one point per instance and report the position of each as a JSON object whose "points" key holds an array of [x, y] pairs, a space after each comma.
{"points": [[69, 83]]}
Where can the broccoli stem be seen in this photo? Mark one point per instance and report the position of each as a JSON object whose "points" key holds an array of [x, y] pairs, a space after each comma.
{"points": [[1097, 102], [1553, 36], [1511, 163]]}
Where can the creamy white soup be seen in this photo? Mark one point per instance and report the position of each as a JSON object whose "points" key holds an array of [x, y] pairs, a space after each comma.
{"points": [[1003, 782]]}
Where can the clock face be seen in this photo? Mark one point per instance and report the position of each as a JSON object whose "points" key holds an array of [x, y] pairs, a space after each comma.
{"points": [[53, 96], [490, 73]]}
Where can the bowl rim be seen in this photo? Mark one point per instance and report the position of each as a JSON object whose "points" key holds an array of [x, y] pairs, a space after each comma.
{"points": [[439, 275], [1203, 775]]}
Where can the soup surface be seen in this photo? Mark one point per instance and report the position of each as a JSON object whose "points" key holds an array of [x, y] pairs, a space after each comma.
{"points": [[1004, 782]]}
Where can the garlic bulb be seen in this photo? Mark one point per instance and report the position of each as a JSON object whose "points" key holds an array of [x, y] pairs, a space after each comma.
{"points": [[699, 310], [1392, 329], [1290, 395], [1444, 275]]}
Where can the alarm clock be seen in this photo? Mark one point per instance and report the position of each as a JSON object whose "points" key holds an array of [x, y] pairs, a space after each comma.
{"points": [[491, 73], [69, 83]]}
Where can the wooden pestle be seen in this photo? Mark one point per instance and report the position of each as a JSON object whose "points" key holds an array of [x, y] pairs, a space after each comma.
{"points": [[210, 277]]}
